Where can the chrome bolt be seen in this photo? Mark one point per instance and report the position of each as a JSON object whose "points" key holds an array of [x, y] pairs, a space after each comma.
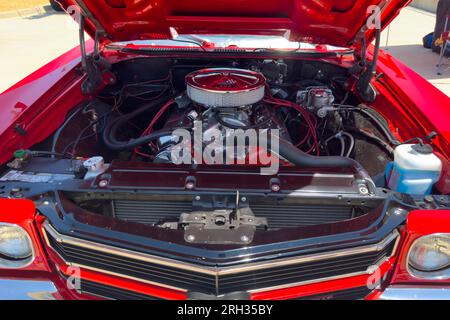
{"points": [[46, 203], [244, 199], [399, 211], [363, 190], [190, 238], [245, 239], [103, 183], [197, 198], [275, 187], [190, 185]]}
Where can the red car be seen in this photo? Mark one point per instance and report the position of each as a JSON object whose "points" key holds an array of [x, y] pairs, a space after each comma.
{"points": [[251, 149]]}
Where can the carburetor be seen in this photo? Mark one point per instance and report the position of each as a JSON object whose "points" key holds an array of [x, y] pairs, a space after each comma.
{"points": [[318, 100]]}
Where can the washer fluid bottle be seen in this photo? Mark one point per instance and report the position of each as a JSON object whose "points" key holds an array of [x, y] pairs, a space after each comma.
{"points": [[415, 169]]}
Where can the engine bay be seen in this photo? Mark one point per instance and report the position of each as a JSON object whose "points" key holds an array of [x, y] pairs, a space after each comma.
{"points": [[119, 154], [135, 118]]}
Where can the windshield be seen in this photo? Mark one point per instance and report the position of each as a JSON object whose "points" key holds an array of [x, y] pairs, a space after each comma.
{"points": [[231, 41]]}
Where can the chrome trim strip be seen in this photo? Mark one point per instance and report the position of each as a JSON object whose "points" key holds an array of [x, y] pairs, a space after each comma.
{"points": [[120, 275], [314, 257], [302, 283], [415, 293], [96, 295], [217, 271]]}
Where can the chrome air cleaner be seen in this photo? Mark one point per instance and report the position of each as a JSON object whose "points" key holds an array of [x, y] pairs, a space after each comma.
{"points": [[223, 87]]}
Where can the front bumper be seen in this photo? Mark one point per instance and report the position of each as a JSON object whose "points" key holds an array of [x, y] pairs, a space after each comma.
{"points": [[47, 290], [415, 293], [27, 290]]}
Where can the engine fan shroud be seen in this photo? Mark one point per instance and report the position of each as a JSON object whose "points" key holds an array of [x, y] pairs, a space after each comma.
{"points": [[225, 87]]}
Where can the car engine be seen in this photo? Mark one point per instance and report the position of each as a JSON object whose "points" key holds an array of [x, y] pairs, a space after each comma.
{"points": [[221, 99], [319, 123], [225, 100]]}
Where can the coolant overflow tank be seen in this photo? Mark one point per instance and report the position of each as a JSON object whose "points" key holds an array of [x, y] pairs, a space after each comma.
{"points": [[415, 169]]}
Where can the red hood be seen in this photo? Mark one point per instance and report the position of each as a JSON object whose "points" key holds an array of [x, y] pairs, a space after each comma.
{"points": [[333, 22]]}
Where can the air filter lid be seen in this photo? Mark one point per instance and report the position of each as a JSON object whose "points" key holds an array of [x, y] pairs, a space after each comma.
{"points": [[223, 87]]}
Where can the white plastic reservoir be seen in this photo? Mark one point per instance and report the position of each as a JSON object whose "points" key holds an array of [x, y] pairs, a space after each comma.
{"points": [[415, 169]]}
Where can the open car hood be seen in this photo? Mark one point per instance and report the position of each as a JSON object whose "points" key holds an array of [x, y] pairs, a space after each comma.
{"points": [[333, 22]]}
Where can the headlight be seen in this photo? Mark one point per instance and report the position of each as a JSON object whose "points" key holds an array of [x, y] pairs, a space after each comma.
{"points": [[430, 255], [16, 249]]}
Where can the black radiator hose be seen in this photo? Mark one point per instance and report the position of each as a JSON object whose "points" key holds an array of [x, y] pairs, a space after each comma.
{"points": [[112, 143], [110, 132], [301, 159]]}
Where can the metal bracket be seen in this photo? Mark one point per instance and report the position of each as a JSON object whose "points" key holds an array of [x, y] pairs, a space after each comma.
{"points": [[221, 226], [222, 219]]}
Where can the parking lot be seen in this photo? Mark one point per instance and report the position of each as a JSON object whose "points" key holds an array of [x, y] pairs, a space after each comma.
{"points": [[28, 42]]}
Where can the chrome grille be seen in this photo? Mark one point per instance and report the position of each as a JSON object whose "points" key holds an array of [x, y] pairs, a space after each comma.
{"points": [[252, 277]]}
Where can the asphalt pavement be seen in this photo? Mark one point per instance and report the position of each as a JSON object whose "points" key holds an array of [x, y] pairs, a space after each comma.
{"points": [[405, 43], [27, 43]]}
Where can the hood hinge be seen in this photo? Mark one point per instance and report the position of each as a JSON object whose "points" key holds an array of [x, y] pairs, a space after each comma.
{"points": [[92, 65], [366, 72]]}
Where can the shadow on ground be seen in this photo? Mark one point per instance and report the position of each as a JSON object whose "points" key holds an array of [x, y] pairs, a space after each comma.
{"points": [[43, 15], [420, 59]]}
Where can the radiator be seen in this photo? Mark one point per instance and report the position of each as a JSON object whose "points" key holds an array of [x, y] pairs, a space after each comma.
{"points": [[278, 215]]}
